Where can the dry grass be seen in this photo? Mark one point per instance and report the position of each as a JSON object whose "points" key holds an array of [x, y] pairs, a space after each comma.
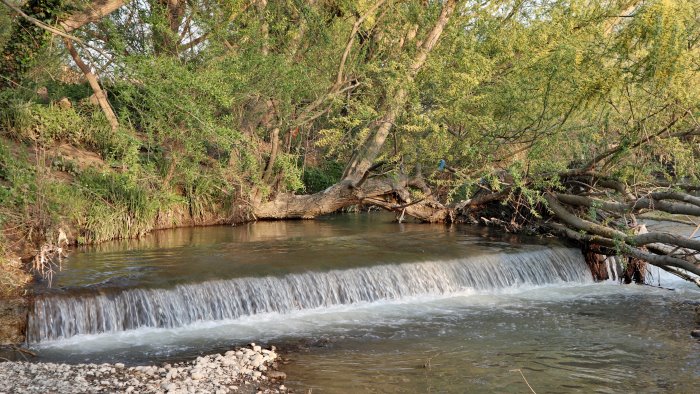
{"points": [[13, 278]]}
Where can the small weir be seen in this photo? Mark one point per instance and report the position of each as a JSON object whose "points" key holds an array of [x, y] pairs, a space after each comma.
{"points": [[62, 316]]}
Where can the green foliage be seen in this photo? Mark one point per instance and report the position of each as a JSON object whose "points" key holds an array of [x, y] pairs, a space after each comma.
{"points": [[319, 178], [288, 166], [505, 100], [17, 181], [122, 206], [26, 40], [46, 124]]}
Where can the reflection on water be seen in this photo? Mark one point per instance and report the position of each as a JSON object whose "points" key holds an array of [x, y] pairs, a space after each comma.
{"points": [[165, 258], [565, 337]]}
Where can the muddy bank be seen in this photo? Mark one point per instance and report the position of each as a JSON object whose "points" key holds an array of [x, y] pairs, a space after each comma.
{"points": [[245, 370], [13, 320], [19, 274]]}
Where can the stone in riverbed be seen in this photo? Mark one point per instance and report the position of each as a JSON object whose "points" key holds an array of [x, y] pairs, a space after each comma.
{"points": [[227, 362], [278, 375], [257, 361], [695, 333], [197, 375]]}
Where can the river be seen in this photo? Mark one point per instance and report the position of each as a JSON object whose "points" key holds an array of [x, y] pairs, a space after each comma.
{"points": [[367, 305]]}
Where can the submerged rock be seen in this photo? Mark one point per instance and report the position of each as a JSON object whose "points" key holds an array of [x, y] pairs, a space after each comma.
{"points": [[279, 375]]}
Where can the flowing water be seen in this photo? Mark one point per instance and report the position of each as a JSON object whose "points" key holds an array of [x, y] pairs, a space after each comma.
{"points": [[367, 305]]}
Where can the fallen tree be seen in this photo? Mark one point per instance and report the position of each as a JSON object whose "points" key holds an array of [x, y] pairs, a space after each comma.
{"points": [[607, 226], [595, 210]]}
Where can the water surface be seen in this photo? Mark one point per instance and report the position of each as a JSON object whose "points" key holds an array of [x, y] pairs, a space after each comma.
{"points": [[388, 308]]}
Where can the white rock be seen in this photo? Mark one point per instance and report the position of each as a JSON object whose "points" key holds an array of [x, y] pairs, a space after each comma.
{"points": [[197, 375], [257, 360], [227, 362]]}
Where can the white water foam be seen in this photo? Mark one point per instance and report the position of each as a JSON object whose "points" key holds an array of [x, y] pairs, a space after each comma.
{"points": [[230, 301]]}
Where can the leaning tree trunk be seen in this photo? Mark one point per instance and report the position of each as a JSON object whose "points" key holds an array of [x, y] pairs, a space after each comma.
{"points": [[354, 187], [30, 34], [100, 95], [394, 104]]}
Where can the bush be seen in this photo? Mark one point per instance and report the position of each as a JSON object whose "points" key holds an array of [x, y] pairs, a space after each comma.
{"points": [[120, 206], [320, 178], [45, 124]]}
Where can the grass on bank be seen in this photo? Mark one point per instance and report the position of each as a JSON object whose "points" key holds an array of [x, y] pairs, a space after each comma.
{"points": [[13, 278], [63, 168]]}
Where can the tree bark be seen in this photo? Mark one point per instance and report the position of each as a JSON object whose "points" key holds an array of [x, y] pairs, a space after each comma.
{"points": [[274, 141], [29, 34], [94, 84], [93, 12], [393, 104]]}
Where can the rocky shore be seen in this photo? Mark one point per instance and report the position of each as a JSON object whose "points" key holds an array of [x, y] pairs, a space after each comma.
{"points": [[246, 370]]}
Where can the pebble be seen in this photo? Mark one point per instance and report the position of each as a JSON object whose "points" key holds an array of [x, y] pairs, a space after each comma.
{"points": [[216, 374]]}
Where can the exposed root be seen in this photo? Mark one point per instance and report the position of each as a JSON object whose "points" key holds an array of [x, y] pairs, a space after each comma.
{"points": [[49, 258]]}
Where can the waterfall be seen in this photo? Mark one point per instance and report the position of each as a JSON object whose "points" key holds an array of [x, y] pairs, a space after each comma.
{"points": [[56, 317]]}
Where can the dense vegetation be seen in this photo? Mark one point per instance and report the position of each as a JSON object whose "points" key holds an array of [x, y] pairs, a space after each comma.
{"points": [[119, 117]]}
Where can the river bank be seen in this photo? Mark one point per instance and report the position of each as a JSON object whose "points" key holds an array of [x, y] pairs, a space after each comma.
{"points": [[247, 370]]}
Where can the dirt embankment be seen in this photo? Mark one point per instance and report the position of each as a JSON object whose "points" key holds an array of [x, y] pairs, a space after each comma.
{"points": [[34, 232]]}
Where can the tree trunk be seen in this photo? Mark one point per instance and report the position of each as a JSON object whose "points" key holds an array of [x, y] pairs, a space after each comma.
{"points": [[28, 36], [94, 84], [167, 41], [350, 189], [93, 12], [394, 104]]}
